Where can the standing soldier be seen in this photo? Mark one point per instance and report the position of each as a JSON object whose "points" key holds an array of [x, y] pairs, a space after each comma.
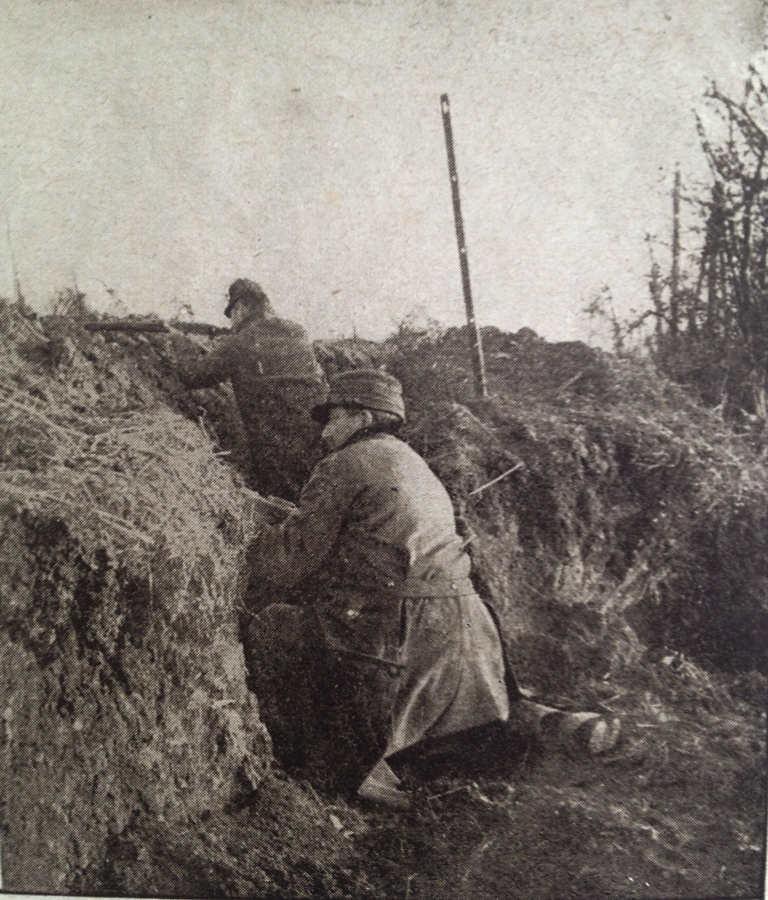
{"points": [[276, 381]]}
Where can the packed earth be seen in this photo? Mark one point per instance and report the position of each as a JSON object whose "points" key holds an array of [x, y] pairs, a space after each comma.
{"points": [[618, 528]]}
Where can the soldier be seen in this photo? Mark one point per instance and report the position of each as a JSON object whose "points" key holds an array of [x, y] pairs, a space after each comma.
{"points": [[396, 648], [276, 381]]}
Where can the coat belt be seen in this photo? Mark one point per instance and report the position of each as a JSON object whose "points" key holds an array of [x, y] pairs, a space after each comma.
{"points": [[410, 588], [431, 587]]}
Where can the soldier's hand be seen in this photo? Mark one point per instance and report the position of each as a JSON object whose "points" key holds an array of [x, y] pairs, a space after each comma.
{"points": [[178, 342], [259, 511], [178, 349]]}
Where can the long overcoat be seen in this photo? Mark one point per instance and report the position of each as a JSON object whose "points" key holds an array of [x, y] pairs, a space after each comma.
{"points": [[394, 645]]}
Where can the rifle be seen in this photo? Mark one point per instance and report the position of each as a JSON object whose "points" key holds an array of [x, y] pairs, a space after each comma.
{"points": [[134, 326]]}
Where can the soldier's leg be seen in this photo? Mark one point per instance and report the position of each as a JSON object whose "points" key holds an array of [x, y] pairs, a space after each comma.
{"points": [[360, 700], [282, 660], [575, 732], [268, 466]]}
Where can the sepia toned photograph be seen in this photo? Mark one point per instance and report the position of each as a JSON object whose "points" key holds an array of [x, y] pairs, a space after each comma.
{"points": [[383, 443]]}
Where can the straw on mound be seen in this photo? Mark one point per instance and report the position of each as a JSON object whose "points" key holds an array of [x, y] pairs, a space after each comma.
{"points": [[631, 517], [126, 485], [123, 682]]}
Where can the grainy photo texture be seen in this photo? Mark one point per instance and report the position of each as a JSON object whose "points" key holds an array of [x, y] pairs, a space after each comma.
{"points": [[383, 500]]}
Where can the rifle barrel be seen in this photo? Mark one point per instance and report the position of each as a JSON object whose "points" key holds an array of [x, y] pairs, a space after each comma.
{"points": [[133, 327], [140, 327]]}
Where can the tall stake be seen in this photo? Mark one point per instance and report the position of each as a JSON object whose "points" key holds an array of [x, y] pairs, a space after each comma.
{"points": [[674, 286], [475, 341]]}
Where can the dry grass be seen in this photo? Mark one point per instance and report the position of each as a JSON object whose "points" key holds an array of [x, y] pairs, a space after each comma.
{"points": [[135, 484], [121, 557]]}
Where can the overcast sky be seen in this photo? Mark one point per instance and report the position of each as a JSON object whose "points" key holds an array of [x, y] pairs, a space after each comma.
{"points": [[159, 150]]}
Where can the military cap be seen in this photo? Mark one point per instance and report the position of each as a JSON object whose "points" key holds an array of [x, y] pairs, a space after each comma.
{"points": [[364, 388], [244, 289]]}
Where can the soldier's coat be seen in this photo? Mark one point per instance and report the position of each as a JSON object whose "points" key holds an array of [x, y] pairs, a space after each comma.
{"points": [[276, 381], [395, 591]]}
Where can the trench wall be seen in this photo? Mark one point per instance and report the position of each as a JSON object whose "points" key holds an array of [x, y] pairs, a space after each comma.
{"points": [[119, 698]]}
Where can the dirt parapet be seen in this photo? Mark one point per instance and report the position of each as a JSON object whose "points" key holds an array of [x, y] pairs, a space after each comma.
{"points": [[122, 691], [630, 521]]}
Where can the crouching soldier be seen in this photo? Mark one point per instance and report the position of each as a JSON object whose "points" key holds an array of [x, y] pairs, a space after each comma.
{"points": [[396, 648]]}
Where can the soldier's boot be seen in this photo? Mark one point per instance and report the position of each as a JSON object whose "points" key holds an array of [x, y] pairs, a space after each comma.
{"points": [[578, 733], [382, 787]]}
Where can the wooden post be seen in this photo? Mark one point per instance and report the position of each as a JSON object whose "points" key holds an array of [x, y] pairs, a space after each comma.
{"points": [[475, 340], [674, 282]]}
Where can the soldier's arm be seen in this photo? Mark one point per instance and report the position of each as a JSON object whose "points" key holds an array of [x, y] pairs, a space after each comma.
{"points": [[208, 369], [286, 553]]}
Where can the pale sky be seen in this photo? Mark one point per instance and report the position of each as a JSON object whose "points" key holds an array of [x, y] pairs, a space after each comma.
{"points": [[162, 149]]}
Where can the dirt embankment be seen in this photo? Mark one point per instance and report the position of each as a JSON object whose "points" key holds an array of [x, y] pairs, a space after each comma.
{"points": [[122, 690], [634, 520], [625, 554]]}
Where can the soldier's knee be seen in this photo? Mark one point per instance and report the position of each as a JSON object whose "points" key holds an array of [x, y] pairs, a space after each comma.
{"points": [[278, 622]]}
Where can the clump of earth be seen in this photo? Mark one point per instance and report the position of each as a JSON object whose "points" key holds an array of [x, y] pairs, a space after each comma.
{"points": [[618, 528]]}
